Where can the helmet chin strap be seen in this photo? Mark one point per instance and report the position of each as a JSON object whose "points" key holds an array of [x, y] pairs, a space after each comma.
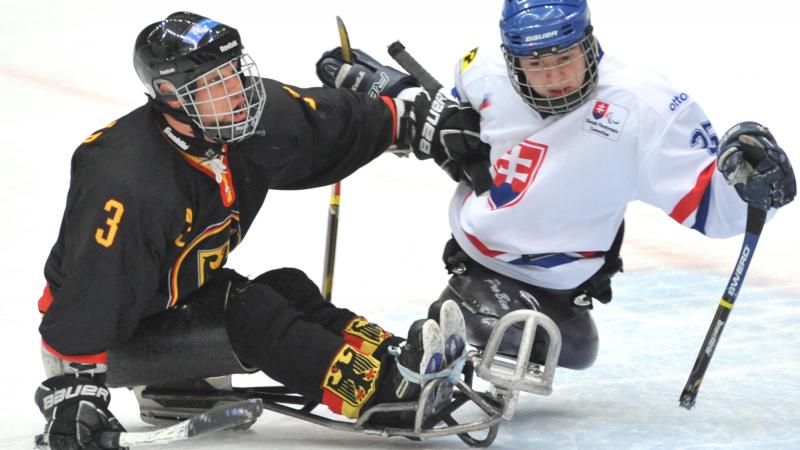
{"points": [[198, 145]]}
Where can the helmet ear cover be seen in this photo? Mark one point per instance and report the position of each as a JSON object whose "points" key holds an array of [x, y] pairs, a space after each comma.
{"points": [[166, 91]]}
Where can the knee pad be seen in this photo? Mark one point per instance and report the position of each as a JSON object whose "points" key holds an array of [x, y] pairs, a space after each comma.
{"points": [[291, 283], [579, 342], [256, 314], [304, 295]]}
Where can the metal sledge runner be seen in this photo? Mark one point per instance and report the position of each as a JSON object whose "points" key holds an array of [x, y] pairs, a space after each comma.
{"points": [[507, 378]]}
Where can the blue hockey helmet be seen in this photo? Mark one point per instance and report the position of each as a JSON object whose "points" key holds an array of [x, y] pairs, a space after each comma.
{"points": [[532, 29], [530, 26]]}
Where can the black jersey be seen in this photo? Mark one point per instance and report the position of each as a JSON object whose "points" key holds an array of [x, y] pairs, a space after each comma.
{"points": [[148, 219]]}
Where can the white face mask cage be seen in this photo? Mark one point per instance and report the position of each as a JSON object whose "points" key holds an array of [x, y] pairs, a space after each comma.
{"points": [[226, 102], [554, 74]]}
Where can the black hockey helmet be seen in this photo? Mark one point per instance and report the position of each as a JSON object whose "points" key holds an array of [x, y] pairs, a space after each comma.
{"points": [[179, 48], [184, 47]]}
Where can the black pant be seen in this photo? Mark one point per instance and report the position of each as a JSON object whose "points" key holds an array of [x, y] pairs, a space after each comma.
{"points": [[280, 323]]}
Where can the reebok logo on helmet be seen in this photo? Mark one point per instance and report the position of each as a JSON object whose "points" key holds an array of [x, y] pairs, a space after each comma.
{"points": [[228, 46]]}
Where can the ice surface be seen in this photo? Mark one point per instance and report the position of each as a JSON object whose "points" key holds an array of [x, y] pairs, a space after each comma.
{"points": [[65, 71]]}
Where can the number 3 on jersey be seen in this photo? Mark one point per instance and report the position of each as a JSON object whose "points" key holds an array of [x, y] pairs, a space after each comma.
{"points": [[105, 236]]}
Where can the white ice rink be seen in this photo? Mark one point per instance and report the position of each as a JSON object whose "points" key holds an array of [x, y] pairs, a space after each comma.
{"points": [[65, 71]]}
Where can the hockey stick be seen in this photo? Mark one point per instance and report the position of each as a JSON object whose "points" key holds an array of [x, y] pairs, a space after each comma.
{"points": [[336, 189], [216, 419], [398, 52], [755, 223]]}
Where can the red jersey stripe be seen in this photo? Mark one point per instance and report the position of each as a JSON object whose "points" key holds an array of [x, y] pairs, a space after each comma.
{"points": [[691, 201], [46, 299], [390, 103], [481, 247]]}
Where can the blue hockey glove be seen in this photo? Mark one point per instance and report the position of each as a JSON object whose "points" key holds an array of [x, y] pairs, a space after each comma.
{"points": [[365, 74], [441, 129], [76, 410], [752, 162]]}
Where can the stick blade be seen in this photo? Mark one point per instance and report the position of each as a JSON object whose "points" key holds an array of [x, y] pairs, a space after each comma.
{"points": [[225, 416], [215, 419], [345, 40]]}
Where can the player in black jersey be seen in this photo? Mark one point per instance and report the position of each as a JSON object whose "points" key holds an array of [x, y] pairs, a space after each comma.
{"points": [[137, 292]]}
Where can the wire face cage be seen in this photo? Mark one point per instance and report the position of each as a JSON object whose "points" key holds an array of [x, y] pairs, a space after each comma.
{"points": [[556, 82], [227, 101]]}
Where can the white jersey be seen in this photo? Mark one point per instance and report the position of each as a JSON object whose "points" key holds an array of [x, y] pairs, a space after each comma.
{"points": [[562, 183]]}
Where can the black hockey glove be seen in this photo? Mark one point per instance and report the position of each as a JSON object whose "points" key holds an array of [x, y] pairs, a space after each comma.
{"points": [[598, 286], [365, 74], [439, 128], [752, 162], [76, 410]]}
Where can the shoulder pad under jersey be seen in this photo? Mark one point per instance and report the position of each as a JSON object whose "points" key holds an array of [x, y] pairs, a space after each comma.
{"points": [[468, 59], [649, 88], [479, 63]]}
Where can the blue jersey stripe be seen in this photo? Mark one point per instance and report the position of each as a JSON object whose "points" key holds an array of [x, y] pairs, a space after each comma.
{"points": [[553, 260], [702, 211]]}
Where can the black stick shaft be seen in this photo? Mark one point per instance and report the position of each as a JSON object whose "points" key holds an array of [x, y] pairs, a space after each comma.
{"points": [[333, 207], [330, 242], [399, 53], [755, 223]]}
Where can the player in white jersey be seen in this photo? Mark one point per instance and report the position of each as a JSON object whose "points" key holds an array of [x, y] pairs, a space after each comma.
{"points": [[575, 136]]}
